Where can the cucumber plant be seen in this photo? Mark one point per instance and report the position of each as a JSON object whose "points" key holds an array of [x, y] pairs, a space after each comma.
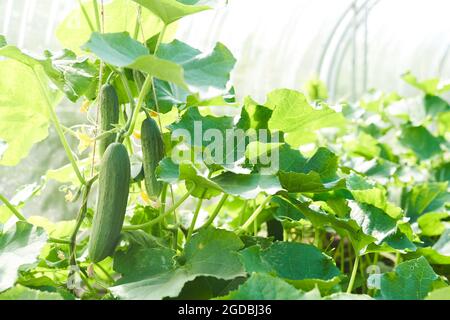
{"points": [[178, 180]]}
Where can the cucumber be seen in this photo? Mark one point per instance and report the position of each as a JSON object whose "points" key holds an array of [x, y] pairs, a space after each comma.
{"points": [[109, 115], [275, 229], [153, 153], [114, 180]]}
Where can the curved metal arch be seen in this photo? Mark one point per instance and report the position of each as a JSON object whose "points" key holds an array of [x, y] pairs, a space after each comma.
{"points": [[331, 36], [338, 54], [443, 60], [333, 33]]}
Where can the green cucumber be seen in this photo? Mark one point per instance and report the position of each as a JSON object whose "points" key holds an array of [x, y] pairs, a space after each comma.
{"points": [[153, 153], [109, 115], [114, 181]]}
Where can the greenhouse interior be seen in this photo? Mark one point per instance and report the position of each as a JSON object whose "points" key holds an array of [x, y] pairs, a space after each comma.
{"points": [[224, 150]]}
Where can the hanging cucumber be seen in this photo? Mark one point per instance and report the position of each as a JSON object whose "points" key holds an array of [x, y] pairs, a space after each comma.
{"points": [[109, 115], [153, 152], [275, 229], [114, 180]]}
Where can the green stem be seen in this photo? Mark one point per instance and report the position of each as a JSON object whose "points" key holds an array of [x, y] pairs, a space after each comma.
{"points": [[163, 207], [137, 26], [254, 215], [11, 207], [353, 276], [363, 276], [194, 219], [398, 258], [375, 258], [242, 213], [59, 241], [129, 128], [86, 16], [161, 217], [80, 217], [97, 16], [38, 72], [216, 212], [317, 238], [124, 81], [175, 220], [87, 284]]}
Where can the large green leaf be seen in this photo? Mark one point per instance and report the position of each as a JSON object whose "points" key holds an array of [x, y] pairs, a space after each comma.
{"points": [[196, 125], [119, 16], [141, 262], [247, 186], [439, 294], [366, 193], [421, 141], [435, 105], [432, 224], [206, 74], [300, 264], [373, 221], [24, 119], [261, 286], [254, 116], [439, 253], [426, 197], [211, 252], [314, 175], [20, 198], [19, 245], [306, 183], [343, 226], [429, 86], [23, 293], [410, 280], [72, 75], [170, 10], [120, 50], [294, 116]]}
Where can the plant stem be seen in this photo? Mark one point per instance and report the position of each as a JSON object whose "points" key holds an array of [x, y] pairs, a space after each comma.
{"points": [[194, 219], [163, 206], [254, 215], [317, 238], [86, 16], [38, 71], [175, 220], [137, 26], [129, 128], [13, 209], [342, 254], [97, 16], [242, 213], [398, 258], [216, 212], [353, 276], [159, 218], [59, 241], [124, 81], [80, 217], [363, 275]]}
